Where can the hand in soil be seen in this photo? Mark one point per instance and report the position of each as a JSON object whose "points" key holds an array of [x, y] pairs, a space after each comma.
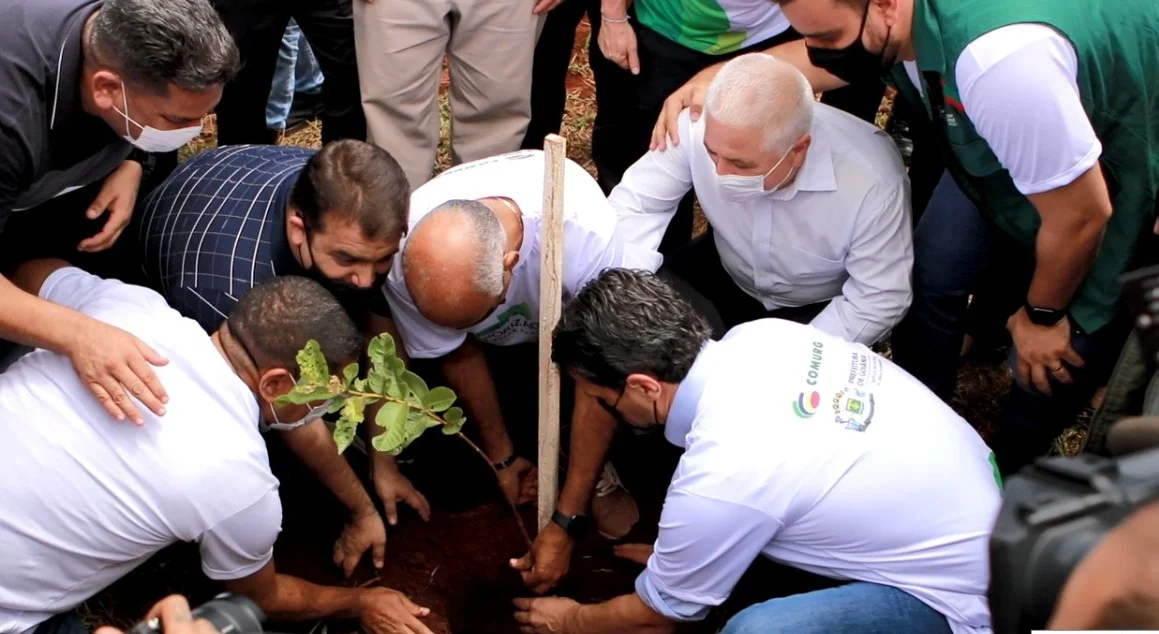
{"points": [[520, 481], [362, 533], [386, 611], [638, 553], [393, 487], [544, 616], [548, 561]]}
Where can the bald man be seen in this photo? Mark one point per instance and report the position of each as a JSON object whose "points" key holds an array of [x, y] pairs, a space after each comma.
{"points": [[468, 279]]}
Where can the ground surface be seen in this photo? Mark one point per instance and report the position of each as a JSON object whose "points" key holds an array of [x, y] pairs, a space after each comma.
{"points": [[457, 564]]}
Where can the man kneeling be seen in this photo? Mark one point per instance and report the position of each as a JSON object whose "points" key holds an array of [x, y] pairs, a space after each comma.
{"points": [[86, 500], [799, 446]]}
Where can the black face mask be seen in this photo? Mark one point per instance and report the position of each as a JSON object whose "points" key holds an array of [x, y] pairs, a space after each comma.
{"points": [[854, 62]]}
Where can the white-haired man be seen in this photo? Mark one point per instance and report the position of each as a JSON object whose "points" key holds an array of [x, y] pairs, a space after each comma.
{"points": [[467, 282], [808, 207]]}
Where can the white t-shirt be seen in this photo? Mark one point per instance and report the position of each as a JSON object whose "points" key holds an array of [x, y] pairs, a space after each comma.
{"points": [[819, 454], [87, 499], [1019, 86], [590, 245]]}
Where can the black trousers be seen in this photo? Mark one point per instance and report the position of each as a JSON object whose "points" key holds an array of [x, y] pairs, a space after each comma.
{"points": [[696, 272], [258, 26], [549, 89]]}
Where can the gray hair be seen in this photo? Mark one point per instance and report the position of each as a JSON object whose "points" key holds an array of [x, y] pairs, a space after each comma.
{"points": [[760, 91], [157, 43], [490, 239]]}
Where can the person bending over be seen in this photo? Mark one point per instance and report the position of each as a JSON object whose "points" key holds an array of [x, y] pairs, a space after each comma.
{"points": [[88, 501], [798, 446]]}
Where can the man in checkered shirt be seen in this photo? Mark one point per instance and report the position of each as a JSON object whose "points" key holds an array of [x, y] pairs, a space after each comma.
{"points": [[231, 218]]}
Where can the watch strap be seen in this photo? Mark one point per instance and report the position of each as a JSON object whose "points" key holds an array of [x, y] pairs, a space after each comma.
{"points": [[503, 464], [576, 525], [1043, 316]]}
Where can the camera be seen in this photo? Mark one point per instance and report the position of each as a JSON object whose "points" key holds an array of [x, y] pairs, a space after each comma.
{"points": [[229, 614], [1056, 511], [1053, 514]]}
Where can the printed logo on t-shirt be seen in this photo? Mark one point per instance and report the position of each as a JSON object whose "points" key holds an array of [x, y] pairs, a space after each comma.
{"points": [[809, 400], [865, 370], [853, 409], [514, 325], [806, 404]]}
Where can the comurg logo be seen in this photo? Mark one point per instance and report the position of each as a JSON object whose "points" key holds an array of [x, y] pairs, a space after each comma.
{"points": [[806, 404]]}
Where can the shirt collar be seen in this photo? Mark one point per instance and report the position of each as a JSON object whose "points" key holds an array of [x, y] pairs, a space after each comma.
{"points": [[65, 78], [687, 400], [817, 173]]}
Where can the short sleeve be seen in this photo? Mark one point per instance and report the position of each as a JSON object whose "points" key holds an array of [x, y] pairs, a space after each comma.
{"points": [[1019, 86], [243, 543], [704, 547], [422, 338]]}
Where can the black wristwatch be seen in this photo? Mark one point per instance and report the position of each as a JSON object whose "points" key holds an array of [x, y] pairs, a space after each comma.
{"points": [[576, 525], [1043, 316]]}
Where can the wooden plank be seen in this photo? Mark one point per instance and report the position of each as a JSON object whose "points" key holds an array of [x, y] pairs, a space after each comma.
{"points": [[550, 305]]}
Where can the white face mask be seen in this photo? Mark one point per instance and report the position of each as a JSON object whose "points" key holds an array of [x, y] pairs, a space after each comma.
{"points": [[740, 188], [314, 414], [153, 140]]}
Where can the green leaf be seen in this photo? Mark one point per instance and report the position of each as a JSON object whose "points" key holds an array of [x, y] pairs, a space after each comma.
{"points": [[353, 411], [312, 366], [389, 441], [416, 424], [336, 405], [350, 373], [381, 351], [451, 429], [416, 384], [396, 366], [439, 399], [376, 381], [360, 385], [453, 415], [303, 394], [391, 415], [344, 432]]}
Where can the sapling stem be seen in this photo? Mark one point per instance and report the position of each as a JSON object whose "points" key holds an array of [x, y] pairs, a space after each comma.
{"points": [[464, 438]]}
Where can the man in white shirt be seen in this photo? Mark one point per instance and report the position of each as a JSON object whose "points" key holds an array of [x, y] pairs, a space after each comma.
{"points": [[468, 277], [798, 446], [87, 500], [808, 206], [1047, 113]]}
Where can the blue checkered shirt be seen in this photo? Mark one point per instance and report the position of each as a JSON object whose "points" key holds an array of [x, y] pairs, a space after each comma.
{"points": [[216, 228]]}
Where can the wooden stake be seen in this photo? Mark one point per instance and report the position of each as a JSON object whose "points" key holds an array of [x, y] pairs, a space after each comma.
{"points": [[550, 304]]}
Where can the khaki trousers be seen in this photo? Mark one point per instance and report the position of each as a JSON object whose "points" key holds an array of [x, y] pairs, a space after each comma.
{"points": [[490, 45]]}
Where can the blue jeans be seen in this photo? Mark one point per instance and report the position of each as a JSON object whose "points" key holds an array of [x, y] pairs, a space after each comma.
{"points": [[297, 72], [953, 243], [866, 608]]}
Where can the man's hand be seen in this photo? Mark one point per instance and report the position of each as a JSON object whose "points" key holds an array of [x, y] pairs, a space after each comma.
{"points": [[393, 487], [112, 364], [520, 482], [386, 611], [690, 95], [1042, 351], [618, 43], [543, 6], [638, 553], [548, 561], [362, 532], [118, 196], [549, 615], [175, 616]]}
